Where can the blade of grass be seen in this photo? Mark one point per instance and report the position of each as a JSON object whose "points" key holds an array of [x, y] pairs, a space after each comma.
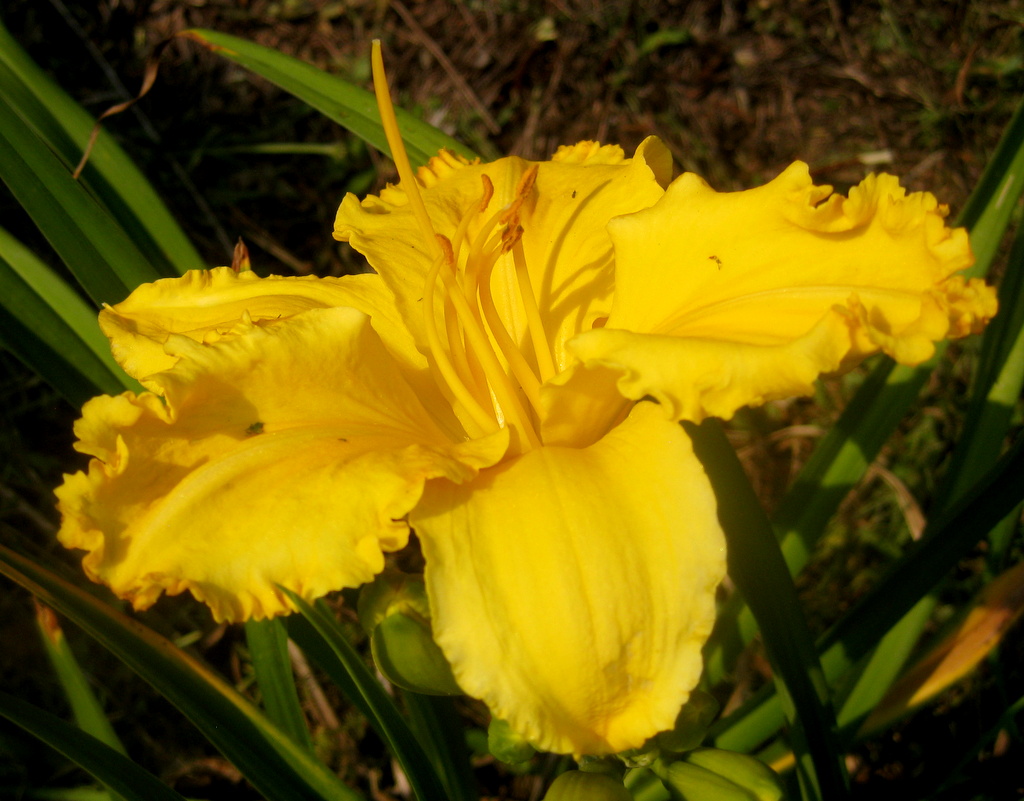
{"points": [[50, 328], [110, 174], [882, 668], [757, 567], [50, 363], [265, 755], [946, 539], [109, 767], [437, 726], [351, 107], [346, 668], [89, 715], [268, 648], [926, 562], [997, 386], [90, 242]]}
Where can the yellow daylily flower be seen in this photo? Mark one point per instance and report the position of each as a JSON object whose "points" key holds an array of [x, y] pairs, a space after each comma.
{"points": [[490, 387]]}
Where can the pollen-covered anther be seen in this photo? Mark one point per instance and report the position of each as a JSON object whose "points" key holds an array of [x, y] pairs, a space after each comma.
{"points": [[510, 236], [447, 252], [525, 186], [488, 192], [527, 182]]}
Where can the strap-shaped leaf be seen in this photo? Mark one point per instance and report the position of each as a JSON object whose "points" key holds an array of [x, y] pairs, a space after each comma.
{"points": [[946, 539], [760, 573], [436, 724], [268, 649], [110, 174], [90, 242], [112, 769], [266, 756], [51, 329], [351, 107], [995, 391], [346, 668]]}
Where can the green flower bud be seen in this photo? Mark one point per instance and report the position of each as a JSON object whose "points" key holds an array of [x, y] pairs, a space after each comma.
{"points": [[395, 613], [608, 765], [392, 591], [407, 655], [741, 769], [687, 782], [691, 724], [505, 745], [575, 785]]}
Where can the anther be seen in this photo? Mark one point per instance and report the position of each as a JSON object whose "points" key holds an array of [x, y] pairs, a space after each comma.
{"points": [[526, 182], [446, 249], [488, 192]]}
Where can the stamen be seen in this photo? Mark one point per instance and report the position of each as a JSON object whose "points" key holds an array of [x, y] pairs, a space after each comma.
{"points": [[520, 367], [534, 324], [483, 420], [466, 360], [478, 343], [512, 240]]}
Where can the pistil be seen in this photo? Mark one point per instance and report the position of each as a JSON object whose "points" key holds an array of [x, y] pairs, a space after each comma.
{"points": [[469, 366]]}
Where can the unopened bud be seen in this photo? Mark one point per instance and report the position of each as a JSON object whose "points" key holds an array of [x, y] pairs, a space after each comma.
{"points": [[742, 769], [608, 765], [691, 724], [687, 782], [390, 592], [575, 785], [505, 745], [394, 612]]}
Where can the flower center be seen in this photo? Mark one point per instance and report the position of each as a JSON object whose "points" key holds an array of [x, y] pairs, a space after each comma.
{"points": [[465, 333]]}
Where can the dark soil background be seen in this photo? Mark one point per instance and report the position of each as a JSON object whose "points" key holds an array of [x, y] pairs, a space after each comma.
{"points": [[737, 90]]}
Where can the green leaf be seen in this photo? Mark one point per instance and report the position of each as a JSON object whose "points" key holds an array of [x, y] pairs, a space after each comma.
{"points": [[110, 174], [89, 241], [946, 539], [760, 573], [110, 768], [351, 107], [265, 755], [346, 668], [52, 330], [268, 648], [995, 391], [437, 726], [991, 204], [89, 715]]}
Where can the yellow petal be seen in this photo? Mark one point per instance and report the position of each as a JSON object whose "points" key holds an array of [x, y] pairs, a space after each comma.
{"points": [[694, 378], [751, 276], [567, 249], [206, 305], [283, 455], [572, 589], [580, 405]]}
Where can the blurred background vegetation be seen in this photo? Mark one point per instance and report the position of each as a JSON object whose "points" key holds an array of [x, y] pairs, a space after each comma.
{"points": [[737, 90]]}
